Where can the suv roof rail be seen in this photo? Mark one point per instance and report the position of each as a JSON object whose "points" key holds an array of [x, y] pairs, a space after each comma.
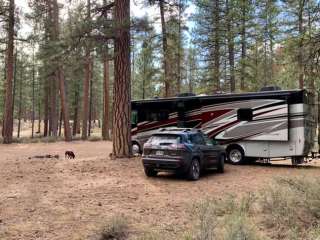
{"points": [[176, 129]]}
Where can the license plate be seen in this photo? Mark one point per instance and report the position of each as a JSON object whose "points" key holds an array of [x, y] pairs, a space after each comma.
{"points": [[159, 152]]}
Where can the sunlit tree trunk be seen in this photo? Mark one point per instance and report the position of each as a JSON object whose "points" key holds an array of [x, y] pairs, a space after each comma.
{"points": [[122, 84]]}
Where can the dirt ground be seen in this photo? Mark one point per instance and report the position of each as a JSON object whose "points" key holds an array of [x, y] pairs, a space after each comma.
{"points": [[73, 199]]}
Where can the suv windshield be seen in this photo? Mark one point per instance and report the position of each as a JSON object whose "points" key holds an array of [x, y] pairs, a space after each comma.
{"points": [[164, 139]]}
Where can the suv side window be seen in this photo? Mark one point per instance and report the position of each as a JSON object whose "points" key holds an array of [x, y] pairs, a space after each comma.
{"points": [[197, 139]]}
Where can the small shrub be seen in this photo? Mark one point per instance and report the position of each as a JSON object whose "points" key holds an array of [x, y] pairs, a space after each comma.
{"points": [[239, 227], [226, 219], [116, 229], [291, 206]]}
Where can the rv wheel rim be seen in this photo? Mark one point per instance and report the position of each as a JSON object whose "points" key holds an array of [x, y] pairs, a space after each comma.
{"points": [[235, 155], [135, 149]]}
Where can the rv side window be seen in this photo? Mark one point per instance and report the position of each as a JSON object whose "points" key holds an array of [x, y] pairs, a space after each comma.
{"points": [[245, 114], [134, 117], [157, 116]]}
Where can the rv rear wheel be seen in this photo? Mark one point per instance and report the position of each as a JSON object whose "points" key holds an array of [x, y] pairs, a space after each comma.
{"points": [[236, 155]]}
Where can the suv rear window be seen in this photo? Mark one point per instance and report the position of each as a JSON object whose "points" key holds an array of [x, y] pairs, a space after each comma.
{"points": [[165, 139]]}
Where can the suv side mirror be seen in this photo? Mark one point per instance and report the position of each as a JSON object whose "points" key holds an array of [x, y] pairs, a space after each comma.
{"points": [[214, 142]]}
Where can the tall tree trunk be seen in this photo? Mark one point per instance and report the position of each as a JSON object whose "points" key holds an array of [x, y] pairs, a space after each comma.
{"points": [[60, 123], [39, 108], [64, 107], [90, 100], [179, 47], [106, 84], [33, 96], [86, 84], [8, 113], [46, 109], [122, 85], [216, 53], [85, 97], [59, 75], [300, 50], [230, 37], [76, 112], [15, 80], [53, 114], [20, 102], [167, 87], [243, 44]]}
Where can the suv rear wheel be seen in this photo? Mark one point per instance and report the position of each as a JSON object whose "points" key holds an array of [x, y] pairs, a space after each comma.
{"points": [[194, 170], [220, 167], [150, 172]]}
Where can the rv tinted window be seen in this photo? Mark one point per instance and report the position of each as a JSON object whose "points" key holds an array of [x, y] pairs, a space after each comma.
{"points": [[157, 116], [245, 114], [134, 117]]}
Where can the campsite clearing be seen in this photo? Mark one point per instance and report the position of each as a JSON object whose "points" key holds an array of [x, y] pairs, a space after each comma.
{"points": [[73, 199]]}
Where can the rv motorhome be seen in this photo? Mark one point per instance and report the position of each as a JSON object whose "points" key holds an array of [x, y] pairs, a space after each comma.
{"points": [[268, 124]]}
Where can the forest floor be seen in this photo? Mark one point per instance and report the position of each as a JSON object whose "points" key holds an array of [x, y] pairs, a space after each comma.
{"points": [[74, 199]]}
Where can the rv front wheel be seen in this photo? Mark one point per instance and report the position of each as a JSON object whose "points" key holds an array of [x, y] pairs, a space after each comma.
{"points": [[236, 155]]}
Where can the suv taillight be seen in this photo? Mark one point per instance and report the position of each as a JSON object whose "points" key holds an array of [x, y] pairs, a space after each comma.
{"points": [[178, 146]]}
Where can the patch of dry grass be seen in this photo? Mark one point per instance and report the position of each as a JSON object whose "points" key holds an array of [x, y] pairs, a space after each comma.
{"points": [[116, 229], [289, 208]]}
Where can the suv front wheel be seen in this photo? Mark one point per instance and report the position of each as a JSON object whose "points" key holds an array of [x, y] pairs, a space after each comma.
{"points": [[194, 170], [150, 172]]}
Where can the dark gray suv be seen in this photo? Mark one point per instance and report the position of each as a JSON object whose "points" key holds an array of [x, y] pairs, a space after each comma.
{"points": [[187, 151]]}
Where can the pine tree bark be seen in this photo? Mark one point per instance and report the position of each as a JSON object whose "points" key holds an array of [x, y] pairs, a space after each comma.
{"points": [[64, 107], [106, 84], [179, 47], [85, 104], [243, 44], [33, 98], [122, 85], [300, 45], [230, 38], [59, 75], [8, 113], [216, 53], [90, 100], [20, 102], [86, 84], [76, 112], [167, 86], [46, 109]]}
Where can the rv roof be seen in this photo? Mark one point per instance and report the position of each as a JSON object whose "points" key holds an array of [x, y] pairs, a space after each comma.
{"points": [[226, 95]]}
